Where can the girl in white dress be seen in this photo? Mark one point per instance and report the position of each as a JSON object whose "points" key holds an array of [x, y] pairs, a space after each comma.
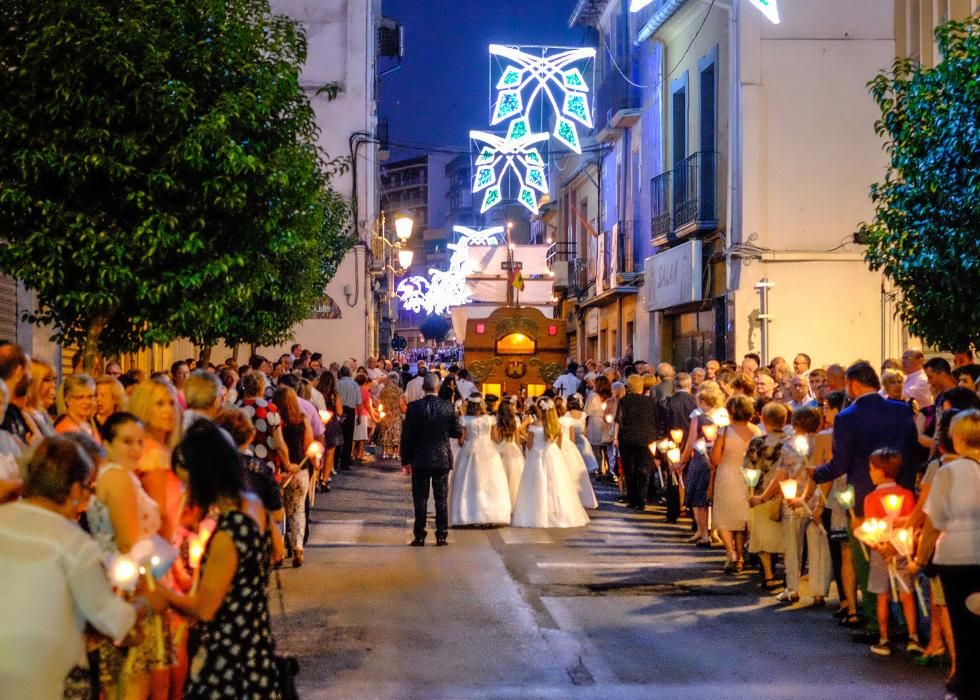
{"points": [[547, 497], [573, 458], [507, 435], [576, 411], [479, 494]]}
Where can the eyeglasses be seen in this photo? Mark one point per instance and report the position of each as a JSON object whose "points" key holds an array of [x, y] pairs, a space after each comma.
{"points": [[81, 397]]}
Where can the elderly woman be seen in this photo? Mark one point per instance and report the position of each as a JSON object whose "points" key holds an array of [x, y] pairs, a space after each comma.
{"points": [[110, 397], [79, 391], [53, 577], [952, 530], [393, 407], [635, 430]]}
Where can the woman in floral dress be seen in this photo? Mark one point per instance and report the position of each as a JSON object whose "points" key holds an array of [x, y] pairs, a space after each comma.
{"points": [[394, 405]]}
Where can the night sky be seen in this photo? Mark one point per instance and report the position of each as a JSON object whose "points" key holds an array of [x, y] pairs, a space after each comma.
{"points": [[441, 91]]}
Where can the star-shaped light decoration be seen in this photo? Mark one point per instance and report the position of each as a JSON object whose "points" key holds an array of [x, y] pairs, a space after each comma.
{"points": [[556, 77], [515, 152]]}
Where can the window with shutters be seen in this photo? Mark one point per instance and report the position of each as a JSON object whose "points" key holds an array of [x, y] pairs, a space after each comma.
{"points": [[8, 308]]}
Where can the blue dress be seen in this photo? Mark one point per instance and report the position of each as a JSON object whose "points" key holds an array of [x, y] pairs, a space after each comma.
{"points": [[697, 476]]}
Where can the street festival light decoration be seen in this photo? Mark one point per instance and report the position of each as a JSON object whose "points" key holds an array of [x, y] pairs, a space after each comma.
{"points": [[445, 289], [554, 81], [770, 8]]}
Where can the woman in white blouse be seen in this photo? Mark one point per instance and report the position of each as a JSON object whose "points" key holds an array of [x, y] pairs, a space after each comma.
{"points": [[53, 578], [952, 528]]}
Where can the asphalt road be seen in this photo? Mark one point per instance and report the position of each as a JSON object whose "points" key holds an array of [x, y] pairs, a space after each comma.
{"points": [[619, 609]]}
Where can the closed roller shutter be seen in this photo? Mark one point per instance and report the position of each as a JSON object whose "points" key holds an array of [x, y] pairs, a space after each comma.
{"points": [[8, 308]]}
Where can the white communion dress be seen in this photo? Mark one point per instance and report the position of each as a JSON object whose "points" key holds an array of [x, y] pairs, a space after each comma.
{"points": [[513, 458], [479, 494], [547, 497], [576, 465], [584, 448]]}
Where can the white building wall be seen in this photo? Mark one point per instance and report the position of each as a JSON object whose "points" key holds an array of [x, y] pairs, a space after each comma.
{"points": [[342, 43], [809, 156]]}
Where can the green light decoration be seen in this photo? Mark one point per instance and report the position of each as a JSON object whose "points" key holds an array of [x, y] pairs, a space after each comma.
{"points": [[509, 103], [573, 80], [528, 199], [486, 156], [491, 198], [485, 176], [536, 179], [575, 107], [566, 132], [518, 129], [533, 157], [512, 76]]}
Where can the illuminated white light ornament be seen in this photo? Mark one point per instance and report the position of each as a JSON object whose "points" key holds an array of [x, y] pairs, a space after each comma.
{"points": [[447, 288], [770, 8], [515, 152]]}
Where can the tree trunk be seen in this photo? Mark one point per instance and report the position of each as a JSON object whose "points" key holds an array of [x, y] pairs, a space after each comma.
{"points": [[234, 352], [205, 357], [90, 349]]}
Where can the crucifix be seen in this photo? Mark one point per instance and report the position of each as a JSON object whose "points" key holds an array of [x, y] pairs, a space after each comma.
{"points": [[512, 267]]}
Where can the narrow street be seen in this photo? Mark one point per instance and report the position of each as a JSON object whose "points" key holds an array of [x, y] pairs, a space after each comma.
{"points": [[620, 609]]}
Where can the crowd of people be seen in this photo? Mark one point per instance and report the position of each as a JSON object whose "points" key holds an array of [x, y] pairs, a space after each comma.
{"points": [[192, 487]]}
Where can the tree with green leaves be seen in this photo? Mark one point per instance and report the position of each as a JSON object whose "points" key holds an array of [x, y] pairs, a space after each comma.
{"points": [[435, 328], [159, 173], [925, 235]]}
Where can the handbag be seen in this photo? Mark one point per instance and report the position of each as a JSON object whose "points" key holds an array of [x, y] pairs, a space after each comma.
{"points": [[776, 509]]}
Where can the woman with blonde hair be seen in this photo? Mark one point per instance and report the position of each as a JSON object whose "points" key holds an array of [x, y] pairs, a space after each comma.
{"points": [[697, 482], [41, 396], [110, 397], [546, 497], [79, 393]]}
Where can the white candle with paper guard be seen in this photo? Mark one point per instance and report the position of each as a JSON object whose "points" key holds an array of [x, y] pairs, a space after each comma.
{"points": [[326, 416], [677, 435], [710, 432]]}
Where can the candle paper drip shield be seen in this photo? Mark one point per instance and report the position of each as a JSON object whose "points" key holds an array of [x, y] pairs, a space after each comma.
{"points": [[326, 416], [154, 554], [751, 477], [846, 497], [676, 435], [701, 446], [802, 445], [789, 488], [315, 450], [723, 421], [902, 539], [710, 432], [674, 455]]}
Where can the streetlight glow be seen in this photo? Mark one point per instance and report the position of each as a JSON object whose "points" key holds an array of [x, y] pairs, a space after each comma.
{"points": [[403, 226], [405, 258]]}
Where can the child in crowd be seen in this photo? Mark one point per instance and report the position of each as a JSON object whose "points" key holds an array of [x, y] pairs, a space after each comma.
{"points": [[884, 467]]}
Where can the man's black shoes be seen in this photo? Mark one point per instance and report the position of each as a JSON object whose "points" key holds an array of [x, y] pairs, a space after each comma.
{"points": [[441, 542], [417, 542]]}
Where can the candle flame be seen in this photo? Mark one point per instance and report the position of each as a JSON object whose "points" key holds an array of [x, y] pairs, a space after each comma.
{"points": [[893, 503], [124, 572], [326, 416], [677, 435], [789, 488], [710, 432]]}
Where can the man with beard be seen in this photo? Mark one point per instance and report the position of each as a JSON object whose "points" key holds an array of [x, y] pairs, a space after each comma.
{"points": [[15, 372]]}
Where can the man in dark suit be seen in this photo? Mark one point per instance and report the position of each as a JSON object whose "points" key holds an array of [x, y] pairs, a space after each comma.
{"points": [[430, 424], [869, 423]]}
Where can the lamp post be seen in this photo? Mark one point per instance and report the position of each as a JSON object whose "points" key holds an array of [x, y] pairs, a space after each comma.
{"points": [[404, 223]]}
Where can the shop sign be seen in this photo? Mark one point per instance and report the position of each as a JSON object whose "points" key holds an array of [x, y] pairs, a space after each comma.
{"points": [[592, 322], [673, 277]]}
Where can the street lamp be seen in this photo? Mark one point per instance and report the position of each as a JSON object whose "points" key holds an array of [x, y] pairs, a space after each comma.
{"points": [[403, 226], [405, 258]]}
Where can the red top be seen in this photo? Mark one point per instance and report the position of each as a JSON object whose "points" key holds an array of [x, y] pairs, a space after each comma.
{"points": [[874, 502]]}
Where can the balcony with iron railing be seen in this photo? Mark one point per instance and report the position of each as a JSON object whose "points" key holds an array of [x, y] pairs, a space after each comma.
{"points": [[661, 217], [695, 183], [618, 103], [626, 264]]}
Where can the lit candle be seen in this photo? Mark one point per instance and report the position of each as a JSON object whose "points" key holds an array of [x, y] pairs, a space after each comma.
{"points": [[789, 488], [677, 435], [653, 447], [846, 499], [326, 416], [893, 504], [751, 476], [674, 455], [124, 572], [710, 432], [723, 420], [609, 418], [701, 446]]}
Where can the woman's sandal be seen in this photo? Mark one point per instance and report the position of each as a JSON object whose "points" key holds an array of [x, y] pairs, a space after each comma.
{"points": [[930, 659], [852, 622], [771, 584]]}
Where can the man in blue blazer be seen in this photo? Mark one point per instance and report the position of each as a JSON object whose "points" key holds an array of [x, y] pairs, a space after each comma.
{"points": [[870, 422], [430, 423]]}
